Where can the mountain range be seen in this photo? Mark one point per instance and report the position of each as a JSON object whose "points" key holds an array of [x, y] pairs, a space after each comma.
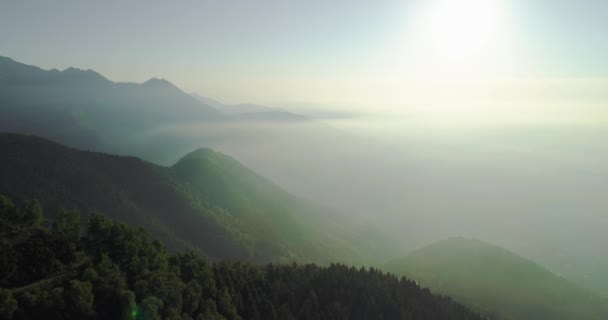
{"points": [[150, 163], [158, 122]]}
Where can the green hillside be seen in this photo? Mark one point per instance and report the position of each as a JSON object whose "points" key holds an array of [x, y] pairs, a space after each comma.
{"points": [[99, 268], [206, 201], [288, 224], [495, 281]]}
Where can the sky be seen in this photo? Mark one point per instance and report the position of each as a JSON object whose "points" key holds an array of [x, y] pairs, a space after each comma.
{"points": [[454, 61]]}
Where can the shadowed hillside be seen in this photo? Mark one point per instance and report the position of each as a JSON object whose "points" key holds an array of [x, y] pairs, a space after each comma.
{"points": [[207, 201]]}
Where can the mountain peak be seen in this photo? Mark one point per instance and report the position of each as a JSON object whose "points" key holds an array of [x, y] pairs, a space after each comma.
{"points": [[159, 83], [6, 59], [200, 153], [208, 157], [71, 69], [88, 73]]}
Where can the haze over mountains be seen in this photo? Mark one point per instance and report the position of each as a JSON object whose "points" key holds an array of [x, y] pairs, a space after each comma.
{"points": [[497, 282], [500, 185], [234, 109], [159, 123], [206, 202]]}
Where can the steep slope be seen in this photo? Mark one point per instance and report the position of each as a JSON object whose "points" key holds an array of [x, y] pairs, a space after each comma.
{"points": [[283, 222], [207, 200], [495, 281], [124, 188]]}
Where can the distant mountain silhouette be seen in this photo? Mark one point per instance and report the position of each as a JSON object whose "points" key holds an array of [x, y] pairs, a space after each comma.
{"points": [[252, 112], [83, 109], [12, 72], [270, 116], [235, 109]]}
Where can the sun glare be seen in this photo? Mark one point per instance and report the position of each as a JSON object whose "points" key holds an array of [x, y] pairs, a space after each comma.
{"points": [[464, 36], [451, 58]]}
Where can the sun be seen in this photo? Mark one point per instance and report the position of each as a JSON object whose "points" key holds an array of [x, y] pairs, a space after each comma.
{"points": [[462, 36], [452, 57]]}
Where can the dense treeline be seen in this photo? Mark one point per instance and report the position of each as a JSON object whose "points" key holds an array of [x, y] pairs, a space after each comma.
{"points": [[103, 269]]}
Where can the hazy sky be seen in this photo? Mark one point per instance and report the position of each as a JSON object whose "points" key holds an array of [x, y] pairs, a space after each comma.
{"points": [[436, 59]]}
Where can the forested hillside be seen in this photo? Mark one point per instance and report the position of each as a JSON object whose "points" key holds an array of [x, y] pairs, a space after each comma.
{"points": [[103, 269], [207, 201], [498, 282]]}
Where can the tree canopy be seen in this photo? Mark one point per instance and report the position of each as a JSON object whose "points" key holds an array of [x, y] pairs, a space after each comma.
{"points": [[104, 269]]}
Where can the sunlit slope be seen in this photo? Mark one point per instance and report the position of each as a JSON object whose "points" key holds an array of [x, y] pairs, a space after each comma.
{"points": [[284, 222], [206, 201], [498, 282]]}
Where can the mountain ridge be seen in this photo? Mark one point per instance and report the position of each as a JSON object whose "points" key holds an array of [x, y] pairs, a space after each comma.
{"points": [[206, 200]]}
